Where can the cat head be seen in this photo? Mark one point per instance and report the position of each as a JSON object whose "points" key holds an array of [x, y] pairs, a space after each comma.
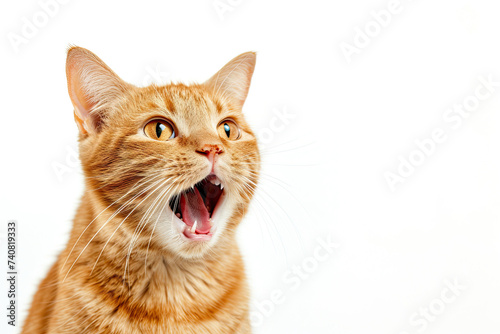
{"points": [[173, 167]]}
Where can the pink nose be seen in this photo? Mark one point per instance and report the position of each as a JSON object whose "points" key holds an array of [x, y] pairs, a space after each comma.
{"points": [[210, 151]]}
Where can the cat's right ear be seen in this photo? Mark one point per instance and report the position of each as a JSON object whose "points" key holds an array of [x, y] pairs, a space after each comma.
{"points": [[92, 86]]}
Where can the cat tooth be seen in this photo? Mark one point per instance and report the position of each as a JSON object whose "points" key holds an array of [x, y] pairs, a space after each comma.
{"points": [[193, 228], [211, 222], [221, 186], [214, 180]]}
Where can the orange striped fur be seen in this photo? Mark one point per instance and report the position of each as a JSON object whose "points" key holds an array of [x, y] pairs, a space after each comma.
{"points": [[126, 269]]}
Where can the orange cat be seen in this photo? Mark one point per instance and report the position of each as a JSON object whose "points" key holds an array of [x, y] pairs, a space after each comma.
{"points": [[169, 173]]}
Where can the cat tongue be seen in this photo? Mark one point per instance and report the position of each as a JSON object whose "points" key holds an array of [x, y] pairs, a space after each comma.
{"points": [[193, 209]]}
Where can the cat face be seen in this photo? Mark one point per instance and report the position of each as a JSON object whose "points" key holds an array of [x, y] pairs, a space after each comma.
{"points": [[172, 168]]}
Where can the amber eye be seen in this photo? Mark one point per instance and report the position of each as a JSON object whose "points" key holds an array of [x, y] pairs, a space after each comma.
{"points": [[159, 129], [229, 130]]}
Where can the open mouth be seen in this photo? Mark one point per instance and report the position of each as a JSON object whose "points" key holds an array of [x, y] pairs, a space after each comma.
{"points": [[195, 207]]}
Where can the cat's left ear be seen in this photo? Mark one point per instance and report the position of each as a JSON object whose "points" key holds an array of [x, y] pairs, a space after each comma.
{"points": [[92, 87], [233, 80]]}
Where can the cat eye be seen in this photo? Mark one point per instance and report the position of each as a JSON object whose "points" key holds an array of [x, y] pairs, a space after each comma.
{"points": [[159, 129], [229, 129]]}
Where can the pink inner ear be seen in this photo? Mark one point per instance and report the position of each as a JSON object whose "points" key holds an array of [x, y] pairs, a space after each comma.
{"points": [[233, 79], [90, 83], [80, 100]]}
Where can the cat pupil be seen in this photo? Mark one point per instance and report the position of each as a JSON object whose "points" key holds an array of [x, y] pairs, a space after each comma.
{"points": [[227, 129], [159, 129]]}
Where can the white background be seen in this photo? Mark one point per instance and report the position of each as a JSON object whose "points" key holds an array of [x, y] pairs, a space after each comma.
{"points": [[324, 166]]}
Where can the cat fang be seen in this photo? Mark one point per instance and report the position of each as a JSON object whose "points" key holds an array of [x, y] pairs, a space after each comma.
{"points": [[194, 209]]}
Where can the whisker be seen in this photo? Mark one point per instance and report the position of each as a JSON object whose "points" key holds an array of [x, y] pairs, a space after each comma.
{"points": [[144, 220], [128, 215], [81, 234], [152, 232], [114, 214], [297, 234], [267, 152]]}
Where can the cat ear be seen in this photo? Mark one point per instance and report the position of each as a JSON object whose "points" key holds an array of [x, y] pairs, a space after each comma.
{"points": [[92, 85], [233, 80]]}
